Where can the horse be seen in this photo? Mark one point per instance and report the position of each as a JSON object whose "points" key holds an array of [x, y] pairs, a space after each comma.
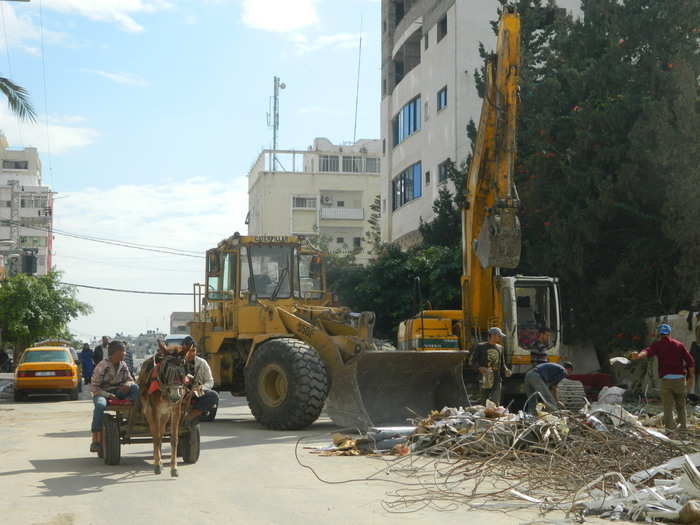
{"points": [[162, 381]]}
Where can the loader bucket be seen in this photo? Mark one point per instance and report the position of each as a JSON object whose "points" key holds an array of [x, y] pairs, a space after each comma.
{"points": [[387, 388]]}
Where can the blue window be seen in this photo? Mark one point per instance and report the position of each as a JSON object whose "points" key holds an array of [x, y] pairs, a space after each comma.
{"points": [[407, 121], [442, 98], [407, 186]]}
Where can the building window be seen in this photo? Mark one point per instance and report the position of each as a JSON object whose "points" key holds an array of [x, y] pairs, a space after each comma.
{"points": [[426, 40], [407, 121], [442, 28], [399, 11], [384, 86], [372, 165], [328, 163], [340, 240], [357, 242], [352, 164], [443, 171], [15, 164], [304, 202], [406, 186], [427, 178], [442, 98], [340, 204]]}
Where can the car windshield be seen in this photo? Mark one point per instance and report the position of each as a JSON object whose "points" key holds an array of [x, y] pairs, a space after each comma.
{"points": [[46, 356]]}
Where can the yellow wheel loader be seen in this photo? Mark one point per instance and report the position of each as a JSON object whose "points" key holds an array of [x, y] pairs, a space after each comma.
{"points": [[266, 324]]}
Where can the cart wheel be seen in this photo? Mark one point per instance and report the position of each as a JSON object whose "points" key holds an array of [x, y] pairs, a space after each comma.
{"points": [[111, 445], [189, 445]]}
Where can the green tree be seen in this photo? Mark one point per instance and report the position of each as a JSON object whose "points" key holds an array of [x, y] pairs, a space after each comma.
{"points": [[35, 308], [608, 157], [17, 99]]}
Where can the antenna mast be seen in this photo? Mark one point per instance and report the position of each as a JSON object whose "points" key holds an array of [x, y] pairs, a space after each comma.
{"points": [[357, 89], [275, 120]]}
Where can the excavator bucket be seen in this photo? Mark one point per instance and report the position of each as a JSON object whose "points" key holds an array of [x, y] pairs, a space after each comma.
{"points": [[387, 388]]}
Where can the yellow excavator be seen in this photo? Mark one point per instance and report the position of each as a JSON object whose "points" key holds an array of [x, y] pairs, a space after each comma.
{"points": [[266, 323], [491, 237]]}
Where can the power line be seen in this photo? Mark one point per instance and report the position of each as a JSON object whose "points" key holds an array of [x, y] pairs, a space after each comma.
{"points": [[130, 267], [122, 244], [120, 290], [9, 67], [46, 97]]}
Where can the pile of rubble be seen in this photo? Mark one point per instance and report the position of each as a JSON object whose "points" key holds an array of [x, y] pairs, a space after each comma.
{"points": [[600, 460]]}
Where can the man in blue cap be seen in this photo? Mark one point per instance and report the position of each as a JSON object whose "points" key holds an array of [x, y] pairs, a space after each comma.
{"points": [[677, 373]]}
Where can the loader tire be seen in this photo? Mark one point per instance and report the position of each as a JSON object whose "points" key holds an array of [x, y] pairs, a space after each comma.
{"points": [[286, 384]]}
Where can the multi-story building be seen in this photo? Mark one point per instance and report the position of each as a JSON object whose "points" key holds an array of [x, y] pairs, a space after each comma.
{"points": [[25, 209], [179, 322], [323, 194], [429, 55]]}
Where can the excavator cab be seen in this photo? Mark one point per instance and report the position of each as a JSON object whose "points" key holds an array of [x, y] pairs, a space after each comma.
{"points": [[530, 305]]}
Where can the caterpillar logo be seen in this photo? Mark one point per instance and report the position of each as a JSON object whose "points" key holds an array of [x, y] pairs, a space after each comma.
{"points": [[271, 238]]}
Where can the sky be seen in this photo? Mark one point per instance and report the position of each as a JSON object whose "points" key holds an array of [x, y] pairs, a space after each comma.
{"points": [[151, 112]]}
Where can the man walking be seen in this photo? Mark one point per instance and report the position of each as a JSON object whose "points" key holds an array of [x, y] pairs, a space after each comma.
{"points": [[489, 360], [100, 350], [541, 385], [677, 373]]}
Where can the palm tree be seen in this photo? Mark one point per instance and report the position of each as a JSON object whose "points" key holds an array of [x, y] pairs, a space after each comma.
{"points": [[18, 99]]}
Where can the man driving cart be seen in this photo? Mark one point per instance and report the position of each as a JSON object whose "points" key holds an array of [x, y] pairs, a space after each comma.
{"points": [[110, 380], [204, 399]]}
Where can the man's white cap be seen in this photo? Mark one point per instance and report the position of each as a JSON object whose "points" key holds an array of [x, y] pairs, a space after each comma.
{"points": [[496, 331]]}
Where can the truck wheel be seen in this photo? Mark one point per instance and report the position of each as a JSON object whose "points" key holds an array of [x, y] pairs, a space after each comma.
{"points": [[19, 396], [188, 445], [111, 444], [286, 384]]}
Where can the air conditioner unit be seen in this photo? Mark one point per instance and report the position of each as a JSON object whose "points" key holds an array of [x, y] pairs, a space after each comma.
{"points": [[326, 199]]}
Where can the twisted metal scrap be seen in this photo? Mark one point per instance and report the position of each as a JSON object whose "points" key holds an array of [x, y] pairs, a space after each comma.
{"points": [[542, 462]]}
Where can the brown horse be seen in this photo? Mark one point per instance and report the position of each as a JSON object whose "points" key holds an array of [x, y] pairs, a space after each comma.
{"points": [[162, 385]]}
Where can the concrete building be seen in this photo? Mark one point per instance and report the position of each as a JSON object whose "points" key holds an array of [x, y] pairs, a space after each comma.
{"points": [[25, 209], [179, 322], [323, 193], [429, 55]]}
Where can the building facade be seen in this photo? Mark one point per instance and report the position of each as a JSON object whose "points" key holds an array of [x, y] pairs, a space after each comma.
{"points": [[429, 55], [26, 209], [323, 194]]}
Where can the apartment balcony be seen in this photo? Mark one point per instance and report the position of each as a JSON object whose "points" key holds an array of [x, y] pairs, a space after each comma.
{"points": [[343, 213]]}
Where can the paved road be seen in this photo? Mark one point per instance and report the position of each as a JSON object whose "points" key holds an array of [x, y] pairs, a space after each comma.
{"points": [[246, 475]]}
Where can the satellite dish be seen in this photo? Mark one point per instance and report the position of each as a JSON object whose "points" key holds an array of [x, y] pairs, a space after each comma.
{"points": [[283, 85]]}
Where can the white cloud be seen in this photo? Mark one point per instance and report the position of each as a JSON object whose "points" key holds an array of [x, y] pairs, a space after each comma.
{"points": [[126, 79], [119, 12], [194, 214], [18, 30], [305, 44], [280, 16], [62, 137]]}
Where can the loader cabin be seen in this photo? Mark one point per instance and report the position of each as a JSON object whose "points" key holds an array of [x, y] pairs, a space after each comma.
{"points": [[265, 267]]}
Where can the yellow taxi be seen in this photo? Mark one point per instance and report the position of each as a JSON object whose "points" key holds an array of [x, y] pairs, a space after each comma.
{"points": [[48, 367]]}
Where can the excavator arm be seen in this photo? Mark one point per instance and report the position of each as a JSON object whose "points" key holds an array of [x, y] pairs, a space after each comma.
{"points": [[490, 228]]}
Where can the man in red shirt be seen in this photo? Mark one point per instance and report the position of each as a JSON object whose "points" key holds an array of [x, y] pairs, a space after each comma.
{"points": [[677, 373]]}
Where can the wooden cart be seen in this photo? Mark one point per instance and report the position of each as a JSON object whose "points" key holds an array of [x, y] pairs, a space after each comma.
{"points": [[124, 424]]}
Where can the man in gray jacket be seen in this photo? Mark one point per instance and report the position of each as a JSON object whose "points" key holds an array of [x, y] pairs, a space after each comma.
{"points": [[202, 382]]}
